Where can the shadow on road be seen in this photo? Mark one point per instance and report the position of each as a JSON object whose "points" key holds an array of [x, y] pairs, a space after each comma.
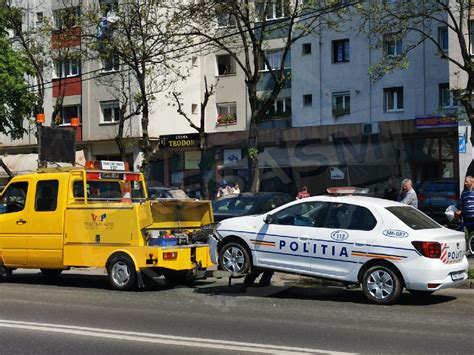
{"points": [[329, 294]]}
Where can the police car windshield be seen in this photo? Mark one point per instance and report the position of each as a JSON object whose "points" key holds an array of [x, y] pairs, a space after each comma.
{"points": [[413, 218]]}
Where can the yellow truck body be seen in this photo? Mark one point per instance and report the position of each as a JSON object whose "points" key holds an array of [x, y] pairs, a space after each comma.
{"points": [[95, 229]]}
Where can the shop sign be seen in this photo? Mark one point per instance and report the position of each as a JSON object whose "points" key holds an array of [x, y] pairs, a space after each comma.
{"points": [[192, 159], [336, 173], [232, 156], [179, 141], [435, 121], [462, 144]]}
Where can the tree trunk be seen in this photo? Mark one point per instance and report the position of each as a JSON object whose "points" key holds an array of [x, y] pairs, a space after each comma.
{"points": [[252, 154], [204, 165]]}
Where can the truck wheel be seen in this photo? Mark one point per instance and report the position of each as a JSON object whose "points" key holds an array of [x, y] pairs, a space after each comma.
{"points": [[51, 273], [234, 257], [381, 285], [122, 274]]}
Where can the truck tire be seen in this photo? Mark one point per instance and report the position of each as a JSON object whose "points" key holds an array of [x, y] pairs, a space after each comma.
{"points": [[51, 273], [381, 285], [122, 274]]}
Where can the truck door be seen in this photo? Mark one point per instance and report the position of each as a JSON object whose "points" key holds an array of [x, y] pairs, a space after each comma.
{"points": [[14, 223], [45, 225]]}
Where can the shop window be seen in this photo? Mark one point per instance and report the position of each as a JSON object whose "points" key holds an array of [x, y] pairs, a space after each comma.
{"points": [[110, 112], [341, 51], [225, 64], [393, 99]]}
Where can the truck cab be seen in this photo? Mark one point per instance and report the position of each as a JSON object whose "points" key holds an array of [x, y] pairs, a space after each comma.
{"points": [[100, 216]]}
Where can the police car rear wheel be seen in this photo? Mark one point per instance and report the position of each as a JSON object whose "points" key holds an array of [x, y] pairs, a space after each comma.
{"points": [[122, 274], [234, 258], [381, 285]]}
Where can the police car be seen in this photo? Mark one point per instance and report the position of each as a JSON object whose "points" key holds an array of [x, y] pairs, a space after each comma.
{"points": [[382, 245]]}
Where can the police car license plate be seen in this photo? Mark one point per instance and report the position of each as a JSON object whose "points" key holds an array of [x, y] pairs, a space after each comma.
{"points": [[456, 276]]}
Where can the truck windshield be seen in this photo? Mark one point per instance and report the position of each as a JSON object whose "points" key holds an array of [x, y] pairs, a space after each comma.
{"points": [[99, 190], [413, 218]]}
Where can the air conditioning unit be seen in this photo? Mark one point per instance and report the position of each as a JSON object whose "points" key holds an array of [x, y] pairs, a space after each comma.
{"points": [[370, 128]]}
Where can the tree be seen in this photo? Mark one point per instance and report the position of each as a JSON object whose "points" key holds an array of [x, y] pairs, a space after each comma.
{"points": [[139, 34], [245, 29], [16, 101], [205, 161], [427, 21]]}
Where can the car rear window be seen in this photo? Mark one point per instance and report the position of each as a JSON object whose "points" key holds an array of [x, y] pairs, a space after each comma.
{"points": [[234, 204], [413, 218], [439, 186]]}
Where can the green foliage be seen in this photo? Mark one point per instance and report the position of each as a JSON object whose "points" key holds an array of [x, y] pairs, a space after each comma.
{"points": [[16, 101]]}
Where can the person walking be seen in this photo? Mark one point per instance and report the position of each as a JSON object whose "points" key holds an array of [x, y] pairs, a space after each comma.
{"points": [[235, 189], [408, 194], [466, 204], [303, 193]]}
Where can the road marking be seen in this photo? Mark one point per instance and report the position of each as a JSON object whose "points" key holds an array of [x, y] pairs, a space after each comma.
{"points": [[162, 338]]}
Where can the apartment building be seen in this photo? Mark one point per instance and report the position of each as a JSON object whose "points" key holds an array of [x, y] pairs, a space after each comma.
{"points": [[331, 125]]}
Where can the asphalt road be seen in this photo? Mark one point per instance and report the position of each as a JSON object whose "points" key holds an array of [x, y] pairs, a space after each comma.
{"points": [[81, 314]]}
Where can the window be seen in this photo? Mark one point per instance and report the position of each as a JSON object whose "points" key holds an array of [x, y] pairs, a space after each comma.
{"points": [[274, 58], [393, 99], [39, 17], [393, 47], [110, 63], [305, 214], [443, 38], [224, 15], [67, 18], [413, 218], [341, 103], [306, 47], [110, 112], [352, 217], [194, 109], [67, 67], [226, 113], [14, 198], [68, 112], [340, 50], [308, 100], [272, 10], [447, 97], [281, 108], [225, 64], [46, 198]]}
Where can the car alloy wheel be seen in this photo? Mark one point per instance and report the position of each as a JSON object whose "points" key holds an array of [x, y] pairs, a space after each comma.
{"points": [[122, 273], [381, 285], [234, 258]]}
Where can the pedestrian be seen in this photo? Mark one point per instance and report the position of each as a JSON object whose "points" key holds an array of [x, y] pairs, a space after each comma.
{"points": [[303, 193], [391, 192], [235, 189], [223, 190], [408, 194], [466, 204]]}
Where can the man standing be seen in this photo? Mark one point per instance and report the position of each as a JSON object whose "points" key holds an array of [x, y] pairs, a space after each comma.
{"points": [[467, 204], [407, 194], [303, 193]]}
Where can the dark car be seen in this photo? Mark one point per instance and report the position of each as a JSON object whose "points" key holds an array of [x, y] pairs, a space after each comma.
{"points": [[248, 203], [166, 192], [435, 195]]}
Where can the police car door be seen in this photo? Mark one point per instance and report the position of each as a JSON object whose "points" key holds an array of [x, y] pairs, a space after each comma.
{"points": [[344, 238], [285, 242]]}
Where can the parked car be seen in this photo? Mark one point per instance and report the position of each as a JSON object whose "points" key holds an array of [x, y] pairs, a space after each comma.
{"points": [[382, 245], [247, 203], [435, 195], [166, 192]]}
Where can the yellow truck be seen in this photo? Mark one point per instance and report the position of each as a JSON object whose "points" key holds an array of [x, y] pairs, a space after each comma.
{"points": [[100, 216]]}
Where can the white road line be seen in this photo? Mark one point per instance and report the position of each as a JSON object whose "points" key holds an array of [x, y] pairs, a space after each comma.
{"points": [[162, 338]]}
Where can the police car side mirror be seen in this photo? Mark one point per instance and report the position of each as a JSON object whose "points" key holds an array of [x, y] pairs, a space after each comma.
{"points": [[268, 219]]}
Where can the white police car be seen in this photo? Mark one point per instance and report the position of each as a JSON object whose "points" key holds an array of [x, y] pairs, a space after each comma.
{"points": [[381, 244]]}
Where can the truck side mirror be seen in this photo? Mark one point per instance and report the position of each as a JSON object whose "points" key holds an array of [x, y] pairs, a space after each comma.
{"points": [[268, 219]]}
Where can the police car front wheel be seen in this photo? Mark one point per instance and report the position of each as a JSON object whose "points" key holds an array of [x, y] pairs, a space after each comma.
{"points": [[381, 285], [235, 258]]}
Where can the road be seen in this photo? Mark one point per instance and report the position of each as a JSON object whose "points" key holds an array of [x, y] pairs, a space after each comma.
{"points": [[81, 314]]}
